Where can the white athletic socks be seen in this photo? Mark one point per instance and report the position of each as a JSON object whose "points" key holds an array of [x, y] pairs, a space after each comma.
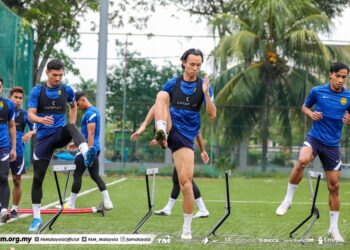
{"points": [[333, 216], [170, 204], [105, 195], [14, 207], [83, 148], [71, 201], [36, 210], [290, 192], [160, 124], [187, 223], [200, 204]]}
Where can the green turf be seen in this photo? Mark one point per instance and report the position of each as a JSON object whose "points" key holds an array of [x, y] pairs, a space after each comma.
{"points": [[253, 218]]}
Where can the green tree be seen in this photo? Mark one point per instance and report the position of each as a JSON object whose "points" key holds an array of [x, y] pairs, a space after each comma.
{"points": [[274, 44]]}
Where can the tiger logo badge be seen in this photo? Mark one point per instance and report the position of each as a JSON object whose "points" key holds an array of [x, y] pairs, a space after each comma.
{"points": [[343, 101]]}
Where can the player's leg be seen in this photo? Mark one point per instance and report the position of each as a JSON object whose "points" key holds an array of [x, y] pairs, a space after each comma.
{"points": [[174, 194], [69, 132], [77, 180], [203, 211], [161, 117], [4, 186], [306, 155], [95, 175], [184, 162], [17, 170]]}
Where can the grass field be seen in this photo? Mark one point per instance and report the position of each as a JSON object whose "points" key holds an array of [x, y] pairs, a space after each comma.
{"points": [[252, 219]]}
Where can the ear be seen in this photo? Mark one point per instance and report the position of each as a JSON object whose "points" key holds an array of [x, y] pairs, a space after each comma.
{"points": [[330, 75]]}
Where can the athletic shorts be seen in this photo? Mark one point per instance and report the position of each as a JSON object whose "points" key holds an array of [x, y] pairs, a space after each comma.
{"points": [[45, 146], [177, 141], [329, 156], [17, 166], [5, 155]]}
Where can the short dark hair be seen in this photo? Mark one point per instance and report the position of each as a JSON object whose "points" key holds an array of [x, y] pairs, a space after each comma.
{"points": [[191, 51], [55, 64], [78, 95], [16, 89], [335, 67]]}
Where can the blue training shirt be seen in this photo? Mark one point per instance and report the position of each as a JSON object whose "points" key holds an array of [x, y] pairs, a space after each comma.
{"points": [[5, 140], [187, 122], [91, 115], [19, 134], [59, 119], [333, 106]]}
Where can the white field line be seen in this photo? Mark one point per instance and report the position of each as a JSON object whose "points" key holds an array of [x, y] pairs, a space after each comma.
{"points": [[275, 202], [58, 202]]}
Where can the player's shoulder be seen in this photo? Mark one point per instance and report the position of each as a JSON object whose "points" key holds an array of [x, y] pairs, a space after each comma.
{"points": [[346, 92], [10, 103], [92, 111], [67, 87], [37, 87], [172, 80]]}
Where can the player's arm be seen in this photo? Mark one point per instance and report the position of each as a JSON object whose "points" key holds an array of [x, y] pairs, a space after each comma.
{"points": [[26, 137], [204, 153], [148, 119], [91, 127], [33, 117], [314, 115], [12, 130], [73, 112], [209, 104]]}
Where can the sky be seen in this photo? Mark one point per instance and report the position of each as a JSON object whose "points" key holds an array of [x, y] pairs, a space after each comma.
{"points": [[161, 49]]}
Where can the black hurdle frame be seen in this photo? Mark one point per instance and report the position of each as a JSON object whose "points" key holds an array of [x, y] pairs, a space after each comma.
{"points": [[55, 217], [227, 208], [150, 208], [314, 213]]}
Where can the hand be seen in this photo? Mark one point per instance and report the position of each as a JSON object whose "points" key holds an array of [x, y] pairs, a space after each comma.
{"points": [[205, 157], [206, 84], [316, 116], [13, 155], [138, 132], [27, 137], [153, 143], [346, 118], [47, 120]]}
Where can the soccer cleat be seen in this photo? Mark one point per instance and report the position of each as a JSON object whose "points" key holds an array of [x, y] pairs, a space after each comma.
{"points": [[161, 137], [89, 156], [14, 213], [335, 235], [35, 226], [108, 205], [5, 216], [164, 211], [186, 235], [283, 208], [201, 214]]}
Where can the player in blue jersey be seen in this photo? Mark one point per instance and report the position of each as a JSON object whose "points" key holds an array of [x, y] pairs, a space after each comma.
{"points": [[47, 108], [7, 151], [90, 128], [18, 167], [330, 101], [177, 113]]}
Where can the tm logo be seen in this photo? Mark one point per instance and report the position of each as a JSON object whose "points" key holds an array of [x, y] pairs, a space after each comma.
{"points": [[165, 240]]}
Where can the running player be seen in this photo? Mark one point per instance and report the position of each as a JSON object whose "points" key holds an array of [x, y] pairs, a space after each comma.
{"points": [[18, 166], [331, 102], [90, 128], [47, 108]]}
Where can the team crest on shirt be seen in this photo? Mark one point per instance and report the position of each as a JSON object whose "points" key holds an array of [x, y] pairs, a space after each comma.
{"points": [[59, 92], [1, 105], [343, 101]]}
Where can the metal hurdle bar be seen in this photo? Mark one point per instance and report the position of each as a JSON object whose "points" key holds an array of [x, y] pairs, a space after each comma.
{"points": [[150, 199], [227, 209], [314, 210], [55, 169]]}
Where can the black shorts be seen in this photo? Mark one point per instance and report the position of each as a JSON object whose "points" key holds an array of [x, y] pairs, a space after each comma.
{"points": [[177, 141], [17, 166]]}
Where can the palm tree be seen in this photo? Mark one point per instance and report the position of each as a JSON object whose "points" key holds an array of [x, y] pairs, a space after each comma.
{"points": [[273, 45]]}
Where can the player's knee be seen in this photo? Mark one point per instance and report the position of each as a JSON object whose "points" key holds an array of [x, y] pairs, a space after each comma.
{"points": [[186, 184], [71, 127], [17, 183], [333, 187], [302, 163], [162, 96], [38, 179], [3, 178]]}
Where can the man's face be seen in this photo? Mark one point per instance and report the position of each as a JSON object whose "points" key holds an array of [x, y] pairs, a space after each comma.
{"points": [[192, 65], [54, 77], [17, 99], [338, 79], [81, 103]]}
